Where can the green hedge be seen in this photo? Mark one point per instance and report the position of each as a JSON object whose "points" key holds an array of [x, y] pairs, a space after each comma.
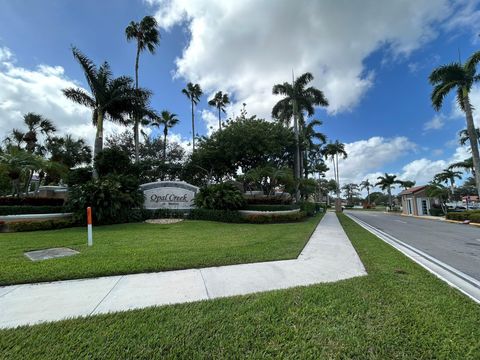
{"points": [[31, 201], [268, 200], [271, 207], [228, 216], [472, 215], [163, 213], [20, 226], [29, 209], [275, 218], [436, 212]]}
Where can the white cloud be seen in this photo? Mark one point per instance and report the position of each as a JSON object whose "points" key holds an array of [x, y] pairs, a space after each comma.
{"points": [[370, 157], [244, 47], [437, 122], [40, 91]]}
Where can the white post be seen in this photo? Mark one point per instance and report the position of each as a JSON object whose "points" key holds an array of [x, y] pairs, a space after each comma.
{"points": [[89, 227]]}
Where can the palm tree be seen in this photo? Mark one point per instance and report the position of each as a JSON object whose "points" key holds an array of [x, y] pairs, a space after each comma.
{"points": [[351, 190], [15, 139], [19, 164], [332, 151], [193, 93], [36, 124], [438, 191], [111, 98], [220, 100], [367, 185], [448, 176], [466, 165], [459, 77], [168, 120], [69, 151], [311, 140], [298, 98], [406, 184], [463, 137], [146, 34], [386, 182]]}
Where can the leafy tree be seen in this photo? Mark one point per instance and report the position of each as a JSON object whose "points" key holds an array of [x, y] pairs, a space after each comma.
{"points": [[111, 98], [220, 100], [243, 144], [312, 141], [269, 177], [147, 37], [193, 93], [297, 99], [366, 185], [387, 182], [461, 78], [378, 197]]}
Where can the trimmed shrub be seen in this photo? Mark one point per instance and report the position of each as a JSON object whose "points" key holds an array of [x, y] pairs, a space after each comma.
{"points": [[270, 207], [475, 218], [216, 215], [463, 215], [164, 213], [268, 200], [29, 209], [224, 196], [436, 212], [275, 218], [21, 226], [308, 207], [30, 201], [112, 200]]}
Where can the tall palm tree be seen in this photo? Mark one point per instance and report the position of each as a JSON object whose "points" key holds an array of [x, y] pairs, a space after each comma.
{"points": [[168, 120], [111, 98], [366, 185], [297, 99], [146, 34], [36, 124], [311, 142], [387, 182], [459, 77], [220, 100], [332, 151], [193, 93], [448, 176], [351, 190]]}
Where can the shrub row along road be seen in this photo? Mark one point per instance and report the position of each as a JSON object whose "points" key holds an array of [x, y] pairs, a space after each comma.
{"points": [[454, 244]]}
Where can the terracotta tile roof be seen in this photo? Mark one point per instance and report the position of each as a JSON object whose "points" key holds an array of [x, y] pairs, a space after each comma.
{"points": [[413, 190]]}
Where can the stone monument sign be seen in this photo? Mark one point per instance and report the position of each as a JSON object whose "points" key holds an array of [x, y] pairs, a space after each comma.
{"points": [[169, 195]]}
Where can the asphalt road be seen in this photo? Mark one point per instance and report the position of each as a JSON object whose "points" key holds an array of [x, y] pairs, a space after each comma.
{"points": [[454, 244]]}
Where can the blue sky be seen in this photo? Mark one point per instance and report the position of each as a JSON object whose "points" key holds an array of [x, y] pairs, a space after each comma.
{"points": [[371, 59]]}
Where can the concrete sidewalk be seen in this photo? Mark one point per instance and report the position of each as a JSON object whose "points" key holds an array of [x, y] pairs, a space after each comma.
{"points": [[328, 256]]}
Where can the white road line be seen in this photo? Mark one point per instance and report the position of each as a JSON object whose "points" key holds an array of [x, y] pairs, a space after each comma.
{"points": [[455, 278]]}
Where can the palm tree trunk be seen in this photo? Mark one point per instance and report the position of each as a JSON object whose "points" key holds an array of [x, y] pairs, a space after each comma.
{"points": [[297, 151], [136, 137], [98, 146], [338, 205], [193, 129], [368, 195], [165, 133], [390, 198], [219, 119], [472, 134]]}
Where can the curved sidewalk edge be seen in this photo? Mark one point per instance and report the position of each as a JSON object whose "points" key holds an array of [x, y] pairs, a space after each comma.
{"points": [[328, 256]]}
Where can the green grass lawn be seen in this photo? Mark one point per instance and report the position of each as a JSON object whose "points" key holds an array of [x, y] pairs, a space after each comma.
{"points": [[134, 248], [398, 311]]}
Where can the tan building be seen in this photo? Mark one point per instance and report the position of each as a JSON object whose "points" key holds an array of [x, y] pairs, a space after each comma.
{"points": [[415, 201]]}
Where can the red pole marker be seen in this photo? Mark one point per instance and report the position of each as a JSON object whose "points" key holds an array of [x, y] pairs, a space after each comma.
{"points": [[89, 226]]}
